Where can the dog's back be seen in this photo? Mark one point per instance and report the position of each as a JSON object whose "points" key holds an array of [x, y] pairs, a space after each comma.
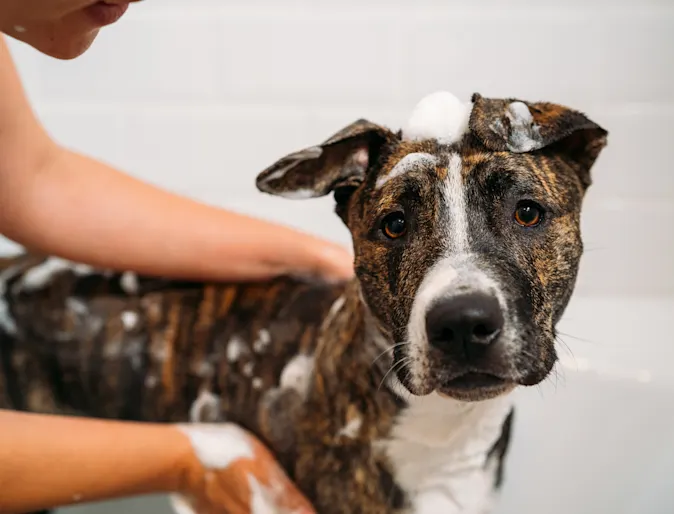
{"points": [[80, 341]]}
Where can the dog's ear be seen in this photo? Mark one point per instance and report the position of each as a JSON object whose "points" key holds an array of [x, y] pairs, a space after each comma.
{"points": [[518, 126], [341, 162]]}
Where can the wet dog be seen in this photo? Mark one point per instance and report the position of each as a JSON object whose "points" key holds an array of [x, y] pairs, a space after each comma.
{"points": [[386, 394]]}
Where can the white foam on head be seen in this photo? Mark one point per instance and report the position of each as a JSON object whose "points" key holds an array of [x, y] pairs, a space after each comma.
{"points": [[440, 116], [525, 135], [410, 162]]}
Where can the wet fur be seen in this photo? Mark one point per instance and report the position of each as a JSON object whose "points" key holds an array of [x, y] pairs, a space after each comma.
{"points": [[74, 349]]}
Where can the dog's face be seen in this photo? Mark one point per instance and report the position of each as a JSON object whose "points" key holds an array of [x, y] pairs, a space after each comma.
{"points": [[466, 235]]}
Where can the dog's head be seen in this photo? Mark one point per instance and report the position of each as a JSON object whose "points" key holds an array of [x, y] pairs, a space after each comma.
{"points": [[466, 232]]}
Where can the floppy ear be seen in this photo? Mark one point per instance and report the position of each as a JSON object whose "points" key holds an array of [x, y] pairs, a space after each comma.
{"points": [[339, 162], [519, 127]]}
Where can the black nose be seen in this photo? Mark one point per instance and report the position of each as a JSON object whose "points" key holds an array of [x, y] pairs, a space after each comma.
{"points": [[464, 322]]}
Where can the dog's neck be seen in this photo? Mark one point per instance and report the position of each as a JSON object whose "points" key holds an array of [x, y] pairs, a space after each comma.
{"points": [[440, 450], [350, 330]]}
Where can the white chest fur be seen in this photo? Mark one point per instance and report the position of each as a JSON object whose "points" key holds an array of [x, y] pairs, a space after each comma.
{"points": [[438, 450]]}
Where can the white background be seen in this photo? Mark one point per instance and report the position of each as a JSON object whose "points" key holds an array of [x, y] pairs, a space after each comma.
{"points": [[200, 95]]}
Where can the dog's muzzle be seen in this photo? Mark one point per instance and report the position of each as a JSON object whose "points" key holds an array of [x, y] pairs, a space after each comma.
{"points": [[466, 324], [465, 333]]}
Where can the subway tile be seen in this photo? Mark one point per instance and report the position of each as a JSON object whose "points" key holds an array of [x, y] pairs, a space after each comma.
{"points": [[628, 249], [309, 58], [568, 58], [139, 60]]}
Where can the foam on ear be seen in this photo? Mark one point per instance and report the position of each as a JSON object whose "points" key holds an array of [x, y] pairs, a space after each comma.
{"points": [[441, 116]]}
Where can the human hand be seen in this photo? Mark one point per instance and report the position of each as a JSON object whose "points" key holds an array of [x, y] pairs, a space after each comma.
{"points": [[331, 261], [231, 472]]}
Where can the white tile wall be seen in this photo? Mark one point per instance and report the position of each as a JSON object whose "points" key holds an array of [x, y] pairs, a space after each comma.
{"points": [[200, 95]]}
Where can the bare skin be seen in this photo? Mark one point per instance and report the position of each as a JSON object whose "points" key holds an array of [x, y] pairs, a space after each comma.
{"points": [[154, 458], [58, 28], [59, 202]]}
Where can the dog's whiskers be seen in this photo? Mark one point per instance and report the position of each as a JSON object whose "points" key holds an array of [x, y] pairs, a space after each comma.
{"points": [[389, 349], [394, 367], [566, 347], [581, 339]]}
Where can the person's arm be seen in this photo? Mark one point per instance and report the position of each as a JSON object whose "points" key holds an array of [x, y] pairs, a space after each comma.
{"points": [[59, 202], [50, 461]]}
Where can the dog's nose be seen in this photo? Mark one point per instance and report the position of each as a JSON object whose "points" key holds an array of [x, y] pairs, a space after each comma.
{"points": [[464, 322]]}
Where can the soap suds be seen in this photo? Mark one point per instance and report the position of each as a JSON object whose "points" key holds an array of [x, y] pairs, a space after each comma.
{"points": [[262, 342], [129, 320], [352, 428], [248, 369], [297, 374], [440, 116], [410, 162], [525, 135], [180, 504], [40, 276], [218, 446], [205, 408], [236, 348], [129, 282], [7, 322]]}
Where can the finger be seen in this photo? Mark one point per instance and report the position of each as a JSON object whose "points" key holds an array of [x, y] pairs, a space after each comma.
{"points": [[336, 263], [284, 494], [247, 480], [291, 500], [228, 490], [221, 495]]}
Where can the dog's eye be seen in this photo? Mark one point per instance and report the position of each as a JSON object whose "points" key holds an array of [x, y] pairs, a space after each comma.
{"points": [[393, 225], [528, 213]]}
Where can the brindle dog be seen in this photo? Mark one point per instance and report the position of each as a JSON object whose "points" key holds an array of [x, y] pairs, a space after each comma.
{"points": [[385, 394]]}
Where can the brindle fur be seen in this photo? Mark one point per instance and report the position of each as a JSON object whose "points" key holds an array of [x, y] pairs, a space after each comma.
{"points": [[74, 356], [72, 353]]}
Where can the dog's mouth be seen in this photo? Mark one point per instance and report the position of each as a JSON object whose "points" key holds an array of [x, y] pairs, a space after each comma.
{"points": [[475, 386]]}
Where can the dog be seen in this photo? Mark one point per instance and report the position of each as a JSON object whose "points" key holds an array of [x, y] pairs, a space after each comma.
{"points": [[386, 394]]}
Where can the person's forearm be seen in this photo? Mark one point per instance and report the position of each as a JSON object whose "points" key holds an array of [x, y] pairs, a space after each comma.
{"points": [[84, 210], [49, 461], [58, 202]]}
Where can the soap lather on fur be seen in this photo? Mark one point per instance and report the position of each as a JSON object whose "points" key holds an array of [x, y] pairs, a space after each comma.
{"points": [[388, 394]]}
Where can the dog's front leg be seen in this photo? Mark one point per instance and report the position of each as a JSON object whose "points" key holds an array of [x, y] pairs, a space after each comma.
{"points": [[338, 474], [349, 478]]}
